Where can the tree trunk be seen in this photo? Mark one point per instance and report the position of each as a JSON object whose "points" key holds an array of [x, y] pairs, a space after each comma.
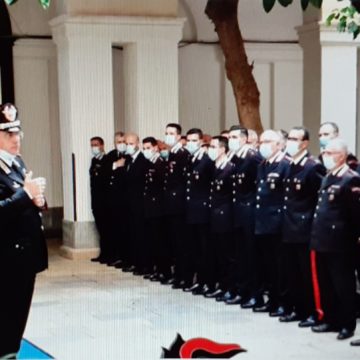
{"points": [[224, 15]]}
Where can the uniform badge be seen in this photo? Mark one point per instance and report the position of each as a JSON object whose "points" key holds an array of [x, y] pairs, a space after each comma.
{"points": [[298, 186], [218, 188], [15, 185], [272, 186], [331, 197]]}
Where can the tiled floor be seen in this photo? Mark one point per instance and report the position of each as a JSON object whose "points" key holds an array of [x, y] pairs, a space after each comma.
{"points": [[83, 310]]}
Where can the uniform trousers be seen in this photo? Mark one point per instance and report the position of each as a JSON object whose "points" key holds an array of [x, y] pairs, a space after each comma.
{"points": [[102, 225], [337, 284], [301, 295], [153, 245], [17, 289]]}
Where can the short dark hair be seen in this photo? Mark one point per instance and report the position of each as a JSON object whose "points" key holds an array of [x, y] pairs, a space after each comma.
{"points": [[99, 139], [332, 124], [306, 133], [119, 133], [223, 141], [195, 131], [224, 132], [176, 126], [151, 140], [243, 130]]}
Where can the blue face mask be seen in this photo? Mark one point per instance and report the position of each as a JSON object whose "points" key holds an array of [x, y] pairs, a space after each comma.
{"points": [[170, 140], [323, 142], [213, 153], [234, 144], [266, 151], [164, 154], [329, 162], [192, 147], [148, 153], [130, 149], [292, 147]]}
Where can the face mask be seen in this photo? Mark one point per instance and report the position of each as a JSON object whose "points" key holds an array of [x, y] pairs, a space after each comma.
{"points": [[121, 147], [329, 162], [170, 140], [130, 149], [213, 154], [148, 153], [164, 154], [266, 150], [192, 147], [292, 147], [95, 150], [323, 142], [234, 145]]}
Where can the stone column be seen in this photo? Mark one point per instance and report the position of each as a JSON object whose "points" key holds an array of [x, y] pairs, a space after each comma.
{"points": [[85, 68], [86, 110]]}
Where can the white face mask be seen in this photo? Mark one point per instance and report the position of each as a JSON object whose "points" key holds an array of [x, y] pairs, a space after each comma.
{"points": [[329, 162], [192, 147], [266, 151], [95, 150], [292, 147], [213, 153], [148, 153], [234, 144], [121, 147], [170, 140], [130, 149]]}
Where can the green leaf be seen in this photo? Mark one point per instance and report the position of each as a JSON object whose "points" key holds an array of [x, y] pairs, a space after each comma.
{"points": [[10, 2], [268, 5], [44, 3], [329, 19], [352, 27], [304, 4], [316, 3], [285, 2]]}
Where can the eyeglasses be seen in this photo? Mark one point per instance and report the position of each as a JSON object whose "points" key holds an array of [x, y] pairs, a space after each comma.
{"points": [[327, 152], [294, 139]]}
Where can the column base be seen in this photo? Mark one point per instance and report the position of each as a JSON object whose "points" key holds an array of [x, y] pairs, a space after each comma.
{"points": [[80, 240]]}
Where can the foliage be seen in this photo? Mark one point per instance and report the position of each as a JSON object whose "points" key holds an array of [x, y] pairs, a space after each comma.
{"points": [[44, 3]]}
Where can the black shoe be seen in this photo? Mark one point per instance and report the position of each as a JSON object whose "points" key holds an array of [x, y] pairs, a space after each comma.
{"points": [[167, 281], [178, 284], [149, 275], [214, 294], [310, 321], [116, 262], [201, 290], [324, 327], [289, 317], [103, 261], [129, 268], [355, 342], [279, 311], [251, 303], [191, 288], [262, 308], [345, 334], [96, 259], [236, 300], [226, 296]]}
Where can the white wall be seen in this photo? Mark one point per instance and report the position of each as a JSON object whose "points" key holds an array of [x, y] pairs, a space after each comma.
{"points": [[206, 96]]}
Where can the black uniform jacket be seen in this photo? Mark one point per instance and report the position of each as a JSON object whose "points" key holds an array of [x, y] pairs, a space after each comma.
{"points": [[199, 175], [98, 182], [22, 242], [154, 187], [135, 183], [221, 220], [175, 179], [301, 194], [336, 225], [244, 177], [270, 195]]}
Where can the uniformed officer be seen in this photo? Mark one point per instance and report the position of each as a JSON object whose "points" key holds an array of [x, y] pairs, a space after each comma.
{"points": [[328, 131], [174, 201], [135, 167], [157, 262], [199, 173], [116, 189], [246, 161], [98, 196], [23, 251], [220, 248], [335, 232], [301, 191], [269, 216]]}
